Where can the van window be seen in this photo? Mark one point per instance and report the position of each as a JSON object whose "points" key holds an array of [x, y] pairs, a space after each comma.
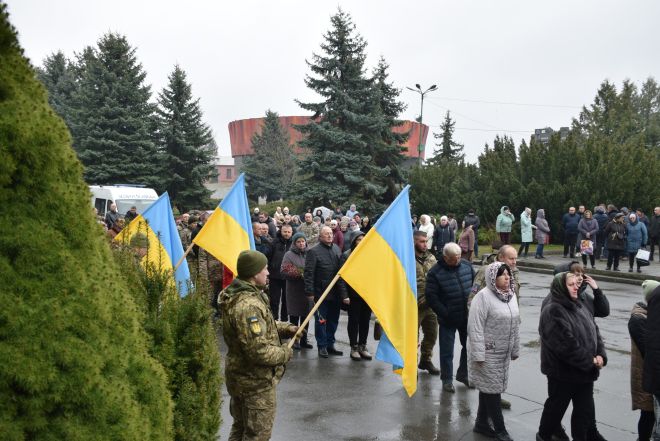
{"points": [[123, 205], [108, 205], [99, 204]]}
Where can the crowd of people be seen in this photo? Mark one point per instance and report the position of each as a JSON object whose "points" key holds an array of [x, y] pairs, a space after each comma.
{"points": [[302, 256], [481, 306]]}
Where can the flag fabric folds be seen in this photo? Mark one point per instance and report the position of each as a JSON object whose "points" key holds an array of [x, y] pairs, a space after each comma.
{"points": [[229, 229], [382, 271], [164, 247]]}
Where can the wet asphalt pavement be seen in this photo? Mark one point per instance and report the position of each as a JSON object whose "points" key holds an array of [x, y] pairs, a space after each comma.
{"points": [[340, 399]]}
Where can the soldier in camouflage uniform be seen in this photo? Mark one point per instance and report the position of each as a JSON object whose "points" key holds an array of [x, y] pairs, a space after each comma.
{"points": [[310, 230], [256, 356], [424, 261]]}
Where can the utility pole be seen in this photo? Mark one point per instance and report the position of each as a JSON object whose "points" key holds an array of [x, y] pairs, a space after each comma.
{"points": [[418, 89]]}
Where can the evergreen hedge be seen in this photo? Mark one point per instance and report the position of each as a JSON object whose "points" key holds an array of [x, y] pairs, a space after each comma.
{"points": [[74, 358]]}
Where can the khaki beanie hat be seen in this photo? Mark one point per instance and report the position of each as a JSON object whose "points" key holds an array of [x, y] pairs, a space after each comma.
{"points": [[250, 263]]}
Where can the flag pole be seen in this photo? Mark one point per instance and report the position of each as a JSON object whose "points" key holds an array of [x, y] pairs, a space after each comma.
{"points": [[183, 257], [314, 308]]}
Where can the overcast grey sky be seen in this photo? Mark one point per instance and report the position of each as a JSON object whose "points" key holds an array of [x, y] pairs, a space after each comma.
{"points": [[246, 56]]}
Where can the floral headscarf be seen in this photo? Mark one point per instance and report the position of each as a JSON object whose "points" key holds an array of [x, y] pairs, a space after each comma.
{"points": [[491, 275]]}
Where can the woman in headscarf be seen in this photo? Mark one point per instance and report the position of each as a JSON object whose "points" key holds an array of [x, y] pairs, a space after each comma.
{"points": [[542, 232], [426, 226], [292, 269], [493, 340], [616, 241], [572, 354], [526, 232], [588, 228]]}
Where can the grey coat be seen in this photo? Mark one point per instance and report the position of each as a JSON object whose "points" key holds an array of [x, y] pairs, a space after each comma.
{"points": [[493, 339], [542, 227]]}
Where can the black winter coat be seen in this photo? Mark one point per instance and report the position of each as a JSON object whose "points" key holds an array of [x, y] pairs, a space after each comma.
{"points": [[651, 376], [279, 248], [441, 236], [321, 266], [570, 338], [616, 236], [654, 226], [447, 291]]}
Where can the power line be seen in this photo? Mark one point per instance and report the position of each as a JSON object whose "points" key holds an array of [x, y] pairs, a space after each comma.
{"points": [[508, 103], [465, 116]]}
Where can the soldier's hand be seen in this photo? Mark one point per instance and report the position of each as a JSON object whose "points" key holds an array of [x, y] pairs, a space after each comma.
{"points": [[288, 352], [291, 330]]}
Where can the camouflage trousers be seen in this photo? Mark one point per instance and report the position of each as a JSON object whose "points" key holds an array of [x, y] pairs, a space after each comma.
{"points": [[427, 319], [253, 416]]}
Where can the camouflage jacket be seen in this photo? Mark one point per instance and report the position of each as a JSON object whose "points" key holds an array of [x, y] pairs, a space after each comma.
{"points": [[311, 232], [256, 356], [423, 265], [185, 234], [480, 278]]}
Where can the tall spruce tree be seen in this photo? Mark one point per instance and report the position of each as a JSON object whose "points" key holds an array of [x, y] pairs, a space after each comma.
{"points": [[272, 169], [389, 153], [344, 139], [186, 143], [58, 74], [74, 356], [450, 150], [114, 117]]}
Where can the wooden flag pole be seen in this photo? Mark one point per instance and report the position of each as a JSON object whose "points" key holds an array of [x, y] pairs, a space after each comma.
{"points": [[311, 313], [183, 257]]}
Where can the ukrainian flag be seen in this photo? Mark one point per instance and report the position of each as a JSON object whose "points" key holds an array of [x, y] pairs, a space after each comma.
{"points": [[229, 229], [164, 244], [382, 271]]}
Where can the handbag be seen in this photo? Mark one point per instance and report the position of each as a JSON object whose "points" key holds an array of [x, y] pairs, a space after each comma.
{"points": [[587, 247], [378, 330], [642, 257]]}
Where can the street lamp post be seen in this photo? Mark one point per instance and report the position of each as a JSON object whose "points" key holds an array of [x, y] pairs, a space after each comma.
{"points": [[418, 89]]}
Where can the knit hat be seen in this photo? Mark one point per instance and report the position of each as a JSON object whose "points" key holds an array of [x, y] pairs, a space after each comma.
{"points": [[250, 263], [298, 236], [648, 286]]}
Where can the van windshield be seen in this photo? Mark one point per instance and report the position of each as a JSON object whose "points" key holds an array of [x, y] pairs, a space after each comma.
{"points": [[123, 205]]}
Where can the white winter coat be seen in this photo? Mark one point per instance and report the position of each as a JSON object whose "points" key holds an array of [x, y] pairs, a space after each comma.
{"points": [[493, 339]]}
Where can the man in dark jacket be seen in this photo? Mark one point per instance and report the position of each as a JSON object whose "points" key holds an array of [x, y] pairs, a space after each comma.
{"points": [[277, 285], [321, 266], [651, 373], [447, 289], [654, 232], [472, 219], [570, 223], [262, 241], [264, 218]]}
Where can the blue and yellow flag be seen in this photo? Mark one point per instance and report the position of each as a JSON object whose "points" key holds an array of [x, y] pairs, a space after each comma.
{"points": [[229, 229], [382, 271], [164, 247]]}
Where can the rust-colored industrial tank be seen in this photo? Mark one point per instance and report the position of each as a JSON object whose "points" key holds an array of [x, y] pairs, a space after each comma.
{"points": [[242, 130]]}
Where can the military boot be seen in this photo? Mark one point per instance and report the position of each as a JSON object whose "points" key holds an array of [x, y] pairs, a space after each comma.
{"points": [[427, 365]]}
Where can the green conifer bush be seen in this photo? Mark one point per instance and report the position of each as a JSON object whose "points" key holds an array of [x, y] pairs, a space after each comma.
{"points": [[74, 358]]}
